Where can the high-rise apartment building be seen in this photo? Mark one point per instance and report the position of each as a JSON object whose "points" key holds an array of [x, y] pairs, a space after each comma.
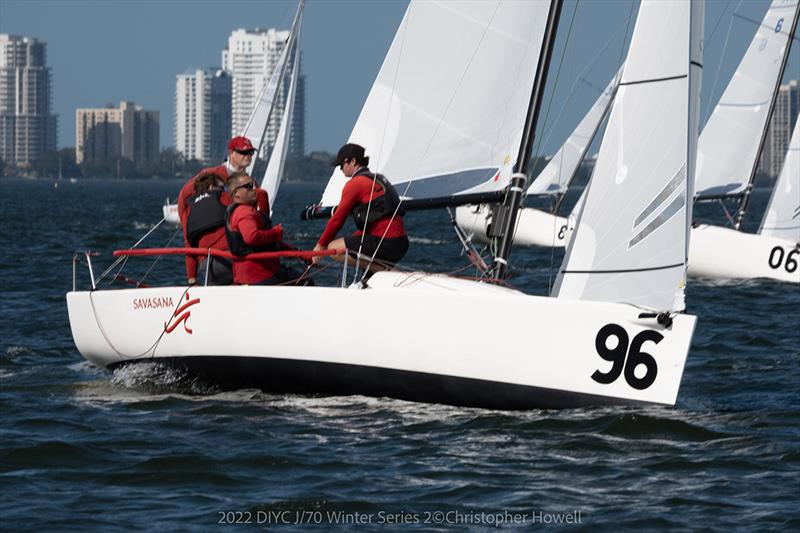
{"points": [[27, 128], [250, 58], [127, 131], [203, 114], [784, 115]]}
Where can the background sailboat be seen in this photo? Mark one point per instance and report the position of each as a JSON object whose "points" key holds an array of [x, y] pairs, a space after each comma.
{"points": [[728, 154], [536, 227], [782, 217]]}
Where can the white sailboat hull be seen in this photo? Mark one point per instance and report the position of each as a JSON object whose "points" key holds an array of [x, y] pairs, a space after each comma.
{"points": [[723, 253], [170, 213], [534, 227], [407, 336]]}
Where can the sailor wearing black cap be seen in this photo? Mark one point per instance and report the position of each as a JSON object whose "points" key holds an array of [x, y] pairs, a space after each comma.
{"points": [[376, 210]]}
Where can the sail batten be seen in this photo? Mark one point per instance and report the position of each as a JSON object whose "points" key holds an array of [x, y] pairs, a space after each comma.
{"points": [[556, 176]]}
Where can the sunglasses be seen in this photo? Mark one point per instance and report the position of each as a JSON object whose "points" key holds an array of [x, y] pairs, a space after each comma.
{"points": [[245, 152], [249, 186]]}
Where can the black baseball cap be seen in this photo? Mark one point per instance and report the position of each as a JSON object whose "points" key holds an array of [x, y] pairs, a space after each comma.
{"points": [[348, 151]]}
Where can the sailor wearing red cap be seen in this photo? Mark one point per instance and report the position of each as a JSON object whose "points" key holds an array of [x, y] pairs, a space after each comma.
{"points": [[240, 153], [376, 210]]}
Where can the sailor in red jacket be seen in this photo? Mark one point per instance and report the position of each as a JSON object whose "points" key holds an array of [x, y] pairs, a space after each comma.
{"points": [[376, 210], [240, 154], [249, 231]]}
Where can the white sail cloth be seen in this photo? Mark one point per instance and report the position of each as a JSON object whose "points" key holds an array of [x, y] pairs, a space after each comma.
{"points": [[631, 241], [274, 171], [256, 126], [446, 112], [728, 147], [782, 218], [555, 177]]}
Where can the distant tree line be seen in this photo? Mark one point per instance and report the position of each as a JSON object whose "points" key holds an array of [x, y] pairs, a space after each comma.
{"points": [[170, 165]]}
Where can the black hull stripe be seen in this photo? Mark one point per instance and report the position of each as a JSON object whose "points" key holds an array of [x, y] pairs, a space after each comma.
{"points": [[655, 80], [335, 379]]}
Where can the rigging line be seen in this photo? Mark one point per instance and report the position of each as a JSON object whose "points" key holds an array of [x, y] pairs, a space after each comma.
{"points": [[158, 258], [619, 62], [581, 80], [152, 346], [719, 63], [711, 35], [433, 135], [552, 97], [555, 84], [625, 40], [379, 162], [137, 243]]}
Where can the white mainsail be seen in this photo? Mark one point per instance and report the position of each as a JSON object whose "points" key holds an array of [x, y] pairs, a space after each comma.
{"points": [[274, 171], [631, 241], [782, 218], [555, 177], [446, 112], [728, 146], [256, 126]]}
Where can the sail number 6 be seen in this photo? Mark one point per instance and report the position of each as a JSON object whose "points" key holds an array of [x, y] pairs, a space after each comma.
{"points": [[776, 259], [626, 358]]}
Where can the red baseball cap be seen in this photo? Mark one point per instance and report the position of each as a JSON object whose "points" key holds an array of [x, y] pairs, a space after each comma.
{"points": [[241, 144]]}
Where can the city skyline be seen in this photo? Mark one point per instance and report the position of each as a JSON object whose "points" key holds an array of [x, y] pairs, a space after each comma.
{"points": [[96, 60]]}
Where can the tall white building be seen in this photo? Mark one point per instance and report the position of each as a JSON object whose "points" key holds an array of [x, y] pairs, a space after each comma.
{"points": [[250, 58], [784, 115], [27, 128], [203, 114]]}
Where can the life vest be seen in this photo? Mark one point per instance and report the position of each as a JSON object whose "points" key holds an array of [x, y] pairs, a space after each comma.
{"points": [[236, 243], [380, 207], [206, 213]]}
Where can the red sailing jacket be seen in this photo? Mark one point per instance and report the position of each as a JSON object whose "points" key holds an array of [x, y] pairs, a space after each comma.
{"points": [[359, 190], [247, 221], [184, 197]]}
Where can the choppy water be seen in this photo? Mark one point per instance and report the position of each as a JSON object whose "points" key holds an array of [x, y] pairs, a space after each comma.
{"points": [[146, 449]]}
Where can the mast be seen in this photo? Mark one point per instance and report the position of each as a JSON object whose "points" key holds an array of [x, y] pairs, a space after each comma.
{"points": [[283, 62], [519, 177], [746, 194]]}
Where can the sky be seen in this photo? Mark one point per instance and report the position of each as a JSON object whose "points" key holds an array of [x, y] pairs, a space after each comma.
{"points": [[107, 51]]}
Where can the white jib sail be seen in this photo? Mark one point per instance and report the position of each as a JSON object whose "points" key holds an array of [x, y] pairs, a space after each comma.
{"points": [[256, 126], [729, 143], [274, 171], [555, 177], [446, 112], [631, 241], [782, 218]]}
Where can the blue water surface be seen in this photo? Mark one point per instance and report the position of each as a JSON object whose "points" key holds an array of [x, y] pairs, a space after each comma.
{"points": [[145, 448]]}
